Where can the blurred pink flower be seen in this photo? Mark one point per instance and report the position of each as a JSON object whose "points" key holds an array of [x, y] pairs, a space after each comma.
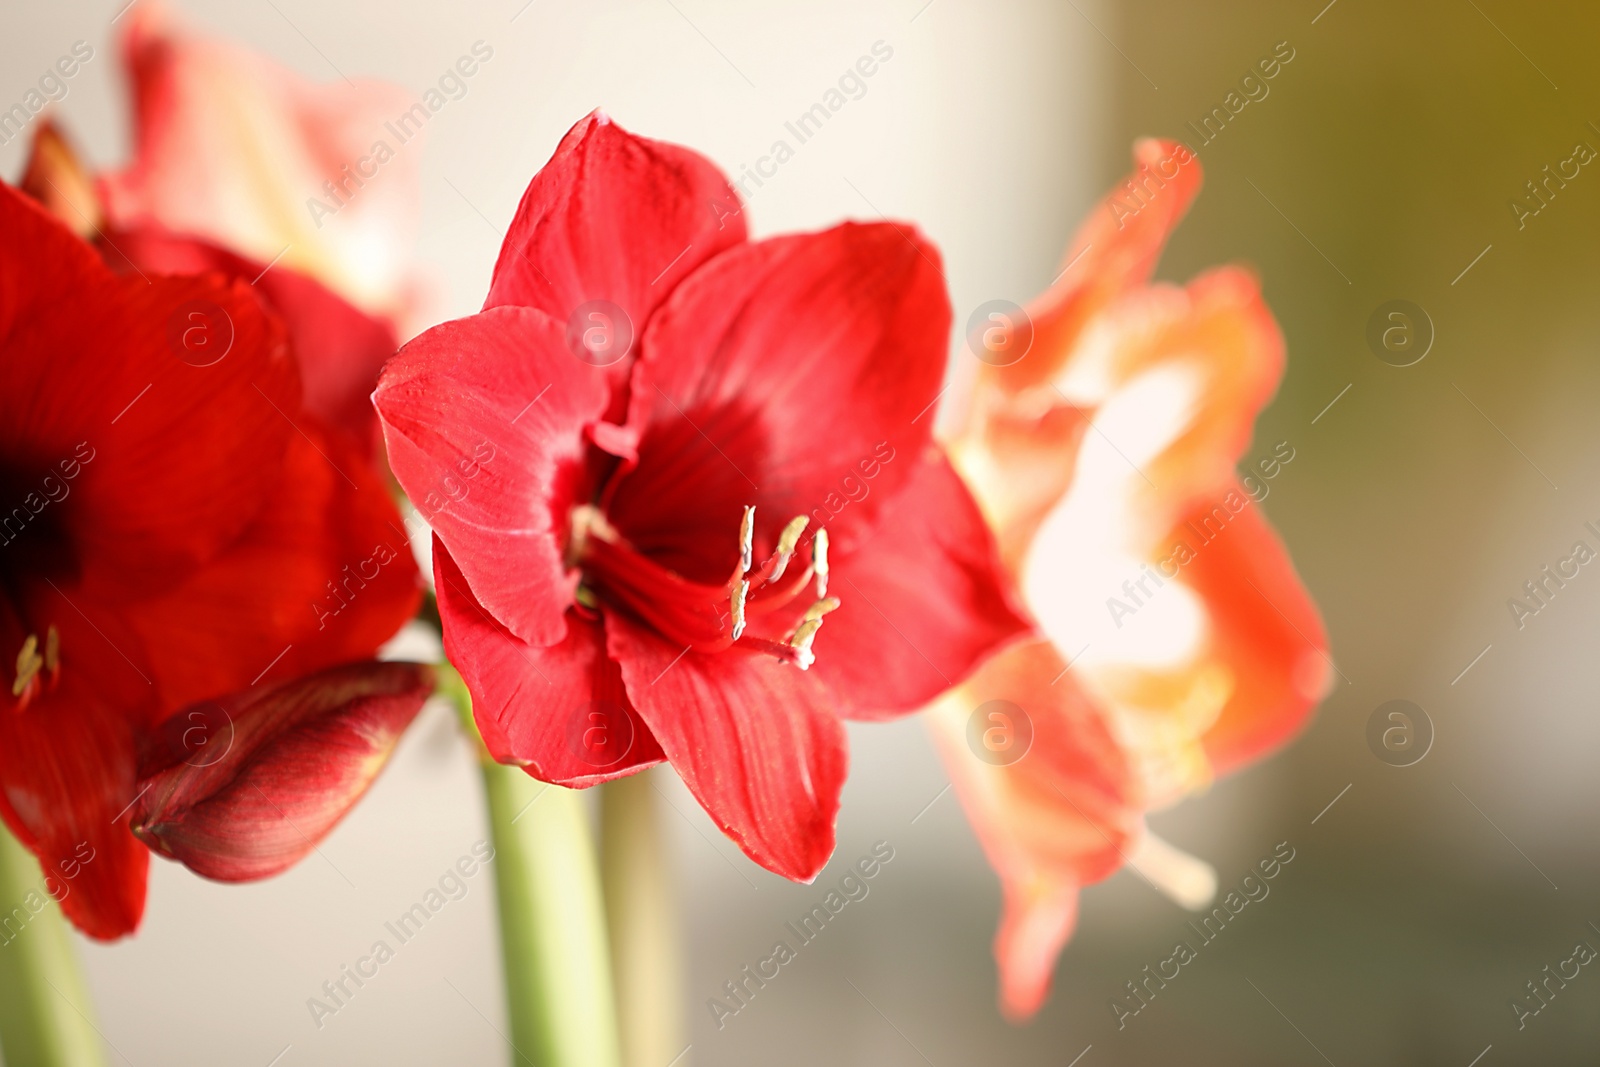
{"points": [[234, 149]]}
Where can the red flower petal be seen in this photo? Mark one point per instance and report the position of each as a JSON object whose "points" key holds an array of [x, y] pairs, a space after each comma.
{"points": [[561, 712], [135, 518], [484, 421], [67, 765], [758, 743], [297, 758], [782, 371], [924, 599], [614, 217], [340, 348], [343, 581]]}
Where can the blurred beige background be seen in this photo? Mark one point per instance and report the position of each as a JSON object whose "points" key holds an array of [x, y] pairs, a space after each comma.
{"points": [[1378, 167]]}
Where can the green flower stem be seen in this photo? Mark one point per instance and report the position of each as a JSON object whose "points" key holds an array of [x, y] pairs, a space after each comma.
{"points": [[641, 914], [44, 1003], [552, 921]]}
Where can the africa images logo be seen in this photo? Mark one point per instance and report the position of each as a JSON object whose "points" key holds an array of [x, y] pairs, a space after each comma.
{"points": [[853, 887], [1252, 889]]}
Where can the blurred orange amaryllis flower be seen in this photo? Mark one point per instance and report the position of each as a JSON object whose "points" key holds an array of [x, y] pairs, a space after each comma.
{"points": [[1101, 440]]}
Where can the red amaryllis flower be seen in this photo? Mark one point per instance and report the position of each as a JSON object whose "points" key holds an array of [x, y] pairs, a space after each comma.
{"points": [[1193, 646], [678, 453], [173, 526]]}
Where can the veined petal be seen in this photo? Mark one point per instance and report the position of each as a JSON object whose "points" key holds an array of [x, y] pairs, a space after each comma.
{"points": [[484, 419], [339, 348], [559, 712], [67, 762], [925, 599], [122, 383], [614, 217], [327, 572], [296, 758], [757, 742], [786, 374]]}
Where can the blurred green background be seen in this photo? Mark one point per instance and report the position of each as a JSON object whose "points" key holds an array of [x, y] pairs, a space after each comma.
{"points": [[1395, 141]]}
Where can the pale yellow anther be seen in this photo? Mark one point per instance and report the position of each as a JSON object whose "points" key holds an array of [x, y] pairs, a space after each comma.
{"points": [[786, 542], [588, 523], [747, 538], [28, 664], [819, 561], [740, 591], [806, 632], [52, 650], [820, 608], [801, 643]]}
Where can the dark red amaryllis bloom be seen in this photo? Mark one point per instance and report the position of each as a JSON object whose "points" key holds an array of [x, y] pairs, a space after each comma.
{"points": [[339, 347], [174, 526], [677, 454]]}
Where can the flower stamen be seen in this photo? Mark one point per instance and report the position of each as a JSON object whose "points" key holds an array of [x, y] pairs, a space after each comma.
{"points": [[707, 618], [787, 540], [747, 538], [30, 663], [819, 561], [806, 632], [740, 591]]}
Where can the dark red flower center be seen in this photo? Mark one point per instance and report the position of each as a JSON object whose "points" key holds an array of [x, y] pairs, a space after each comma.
{"points": [[33, 544], [702, 617]]}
